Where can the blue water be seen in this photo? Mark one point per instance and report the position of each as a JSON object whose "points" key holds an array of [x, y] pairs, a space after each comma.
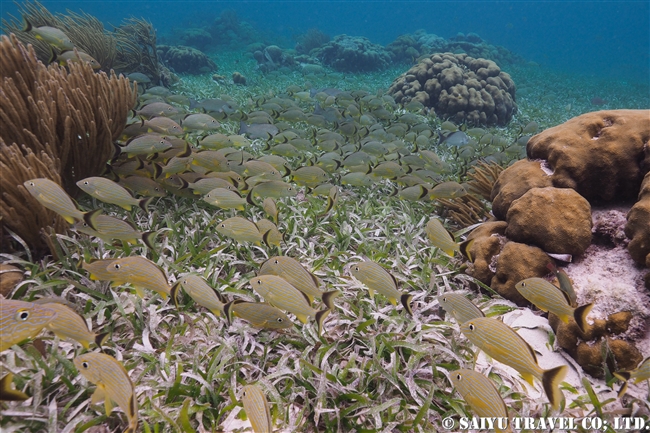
{"points": [[603, 39]]}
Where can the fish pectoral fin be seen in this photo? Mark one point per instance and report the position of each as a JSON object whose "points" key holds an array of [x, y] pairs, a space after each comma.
{"points": [[98, 395], [302, 317], [108, 405], [528, 378]]}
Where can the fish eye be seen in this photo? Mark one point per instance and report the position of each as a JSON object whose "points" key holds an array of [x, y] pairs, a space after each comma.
{"points": [[22, 315], [223, 226], [276, 261], [31, 183], [459, 377], [85, 364], [356, 268], [444, 299], [116, 266], [86, 183], [243, 394], [280, 320], [471, 327], [259, 281]]}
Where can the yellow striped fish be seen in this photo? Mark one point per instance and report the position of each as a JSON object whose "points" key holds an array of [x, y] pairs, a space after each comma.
{"points": [[225, 199], [20, 320], [639, 374], [295, 274], [480, 393], [270, 208], [460, 308], [270, 233], [97, 269], [108, 228], [240, 229], [113, 384], [53, 197], [141, 273], [259, 314], [69, 324], [274, 189], [310, 176], [547, 297], [279, 293], [111, 192], [378, 279], [7, 392], [440, 237], [199, 290], [502, 343], [257, 409]]}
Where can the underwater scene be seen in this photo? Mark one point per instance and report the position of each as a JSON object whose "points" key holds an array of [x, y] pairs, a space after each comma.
{"points": [[324, 216]]}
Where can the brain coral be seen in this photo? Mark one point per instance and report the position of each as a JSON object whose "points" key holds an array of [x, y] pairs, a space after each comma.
{"points": [[352, 54], [460, 88], [186, 59]]}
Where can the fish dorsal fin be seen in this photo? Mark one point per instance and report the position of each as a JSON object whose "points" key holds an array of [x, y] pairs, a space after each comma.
{"points": [[394, 280]]}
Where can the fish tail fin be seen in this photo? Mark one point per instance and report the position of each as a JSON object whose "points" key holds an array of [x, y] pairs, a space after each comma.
{"points": [[7, 393], [144, 203], [157, 170], [28, 27], [551, 382], [464, 248], [100, 339], [90, 218], [148, 239], [320, 319], [228, 311], [580, 316], [173, 293], [52, 58], [393, 192], [265, 238], [328, 298], [623, 390], [623, 375], [405, 299], [249, 198]]}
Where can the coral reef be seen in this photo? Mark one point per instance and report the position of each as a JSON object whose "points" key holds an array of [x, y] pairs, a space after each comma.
{"points": [[597, 153], [65, 122], [198, 38], [352, 54], [459, 88], [130, 48], [404, 48], [311, 39], [638, 226], [597, 159], [238, 78], [229, 30], [572, 235], [271, 58], [183, 59]]}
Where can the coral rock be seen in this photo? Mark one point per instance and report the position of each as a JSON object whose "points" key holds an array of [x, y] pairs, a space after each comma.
{"points": [[186, 59], [10, 276], [238, 78], [515, 181], [515, 263], [598, 154], [638, 225], [488, 239], [352, 54], [459, 87], [558, 220]]}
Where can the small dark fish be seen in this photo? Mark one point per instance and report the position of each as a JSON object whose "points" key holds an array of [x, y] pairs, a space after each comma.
{"points": [[258, 130]]}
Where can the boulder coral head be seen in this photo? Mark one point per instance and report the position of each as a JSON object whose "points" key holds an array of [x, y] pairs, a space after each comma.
{"points": [[186, 59], [459, 88], [352, 54]]}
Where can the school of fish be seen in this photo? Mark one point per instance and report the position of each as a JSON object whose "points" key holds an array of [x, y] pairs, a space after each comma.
{"points": [[316, 144]]}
